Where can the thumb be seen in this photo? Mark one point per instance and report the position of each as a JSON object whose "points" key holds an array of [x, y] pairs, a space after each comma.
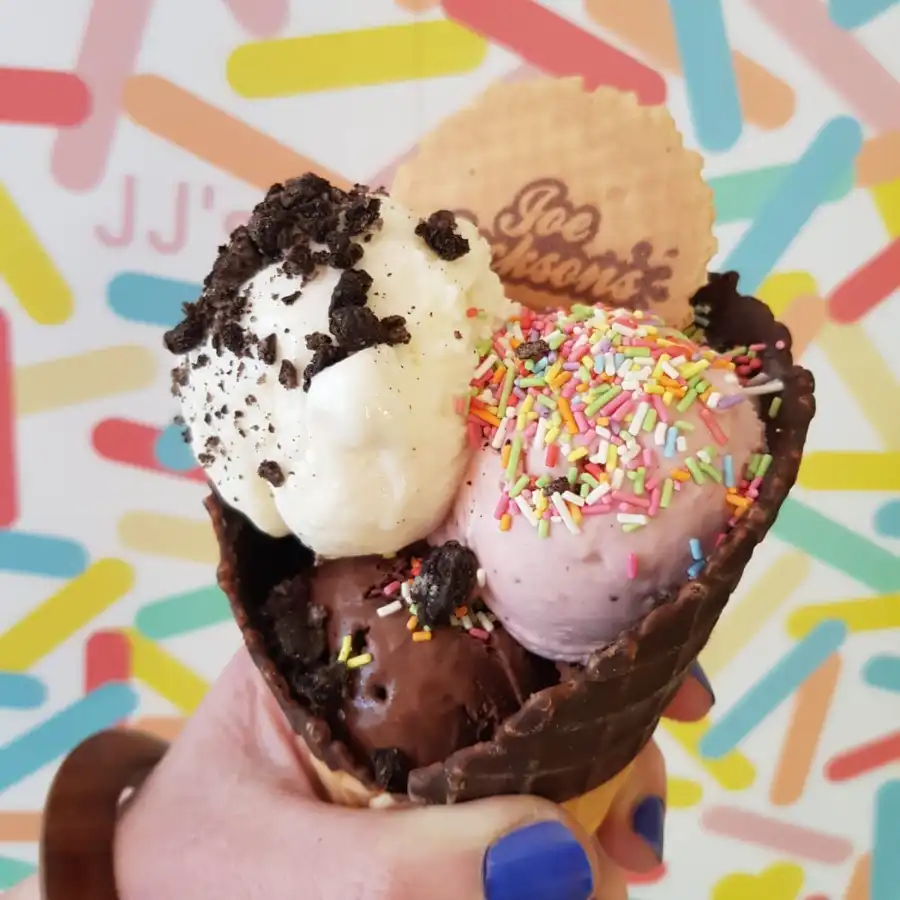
{"points": [[632, 833], [503, 848]]}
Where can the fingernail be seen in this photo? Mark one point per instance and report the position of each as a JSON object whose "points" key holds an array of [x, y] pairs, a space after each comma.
{"points": [[698, 674], [648, 821], [543, 861]]}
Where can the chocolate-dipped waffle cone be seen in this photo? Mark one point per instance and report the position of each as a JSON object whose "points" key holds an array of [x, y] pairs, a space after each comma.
{"points": [[572, 737], [589, 810], [342, 788]]}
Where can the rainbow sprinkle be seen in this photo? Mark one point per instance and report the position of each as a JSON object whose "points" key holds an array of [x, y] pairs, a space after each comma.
{"points": [[600, 396], [396, 593]]}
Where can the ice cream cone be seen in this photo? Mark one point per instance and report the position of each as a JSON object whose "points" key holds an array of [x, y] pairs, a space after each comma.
{"points": [[584, 196], [589, 809], [343, 789], [573, 737]]}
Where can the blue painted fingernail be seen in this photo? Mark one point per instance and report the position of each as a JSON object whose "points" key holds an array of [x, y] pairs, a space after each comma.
{"points": [[543, 861], [699, 675], [649, 821]]}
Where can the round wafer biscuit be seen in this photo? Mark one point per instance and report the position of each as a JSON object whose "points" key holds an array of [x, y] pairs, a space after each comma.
{"points": [[584, 196]]}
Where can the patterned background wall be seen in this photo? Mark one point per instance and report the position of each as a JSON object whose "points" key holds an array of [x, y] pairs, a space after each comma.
{"points": [[134, 135]]}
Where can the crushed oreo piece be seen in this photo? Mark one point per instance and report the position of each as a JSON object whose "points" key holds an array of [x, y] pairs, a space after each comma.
{"points": [[270, 471], [268, 349], [440, 234], [188, 334], [362, 214], [558, 485], [351, 290], [292, 216], [324, 357], [234, 338], [323, 689], [237, 261], [298, 633], [446, 581], [180, 376], [287, 375], [355, 328], [298, 625], [265, 228], [317, 340], [532, 350], [299, 261], [303, 189], [394, 331], [391, 767], [344, 252]]}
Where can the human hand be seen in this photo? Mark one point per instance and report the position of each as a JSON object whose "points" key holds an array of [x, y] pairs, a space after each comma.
{"points": [[233, 811]]}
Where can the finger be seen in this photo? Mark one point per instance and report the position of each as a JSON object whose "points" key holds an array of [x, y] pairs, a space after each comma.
{"points": [[613, 885], [503, 848], [241, 726], [694, 698], [26, 890], [499, 849], [632, 833]]}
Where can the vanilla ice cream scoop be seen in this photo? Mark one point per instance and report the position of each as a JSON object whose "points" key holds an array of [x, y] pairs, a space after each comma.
{"points": [[324, 365], [616, 452]]}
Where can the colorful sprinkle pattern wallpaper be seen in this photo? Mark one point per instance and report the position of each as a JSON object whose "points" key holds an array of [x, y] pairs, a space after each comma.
{"points": [[134, 135]]}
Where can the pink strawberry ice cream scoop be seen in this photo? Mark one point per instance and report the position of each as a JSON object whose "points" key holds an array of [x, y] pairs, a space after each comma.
{"points": [[613, 453]]}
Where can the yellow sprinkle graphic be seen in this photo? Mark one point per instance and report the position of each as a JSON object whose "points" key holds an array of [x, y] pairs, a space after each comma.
{"points": [[861, 370], [851, 472], [682, 793], [30, 273], [55, 620], [734, 772], [324, 62], [865, 614], [57, 383], [166, 675], [170, 536], [778, 290], [782, 881], [887, 201]]}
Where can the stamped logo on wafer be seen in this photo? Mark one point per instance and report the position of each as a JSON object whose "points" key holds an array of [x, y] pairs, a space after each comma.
{"points": [[540, 243], [585, 197]]}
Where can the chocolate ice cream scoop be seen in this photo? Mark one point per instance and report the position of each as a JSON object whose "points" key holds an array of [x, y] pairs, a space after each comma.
{"points": [[344, 641]]}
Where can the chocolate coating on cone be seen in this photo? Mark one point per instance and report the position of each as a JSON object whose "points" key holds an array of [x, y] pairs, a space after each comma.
{"points": [[573, 736]]}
